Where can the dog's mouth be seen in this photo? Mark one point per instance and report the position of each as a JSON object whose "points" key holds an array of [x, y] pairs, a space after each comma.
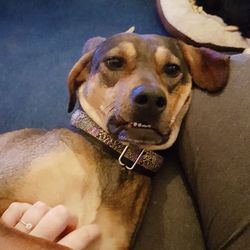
{"points": [[136, 132]]}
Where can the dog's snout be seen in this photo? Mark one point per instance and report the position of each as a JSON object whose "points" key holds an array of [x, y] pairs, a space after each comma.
{"points": [[148, 98]]}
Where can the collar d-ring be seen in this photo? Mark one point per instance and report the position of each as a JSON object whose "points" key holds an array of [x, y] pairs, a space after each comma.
{"points": [[123, 153]]}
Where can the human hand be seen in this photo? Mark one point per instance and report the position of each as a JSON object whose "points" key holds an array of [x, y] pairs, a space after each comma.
{"points": [[53, 224]]}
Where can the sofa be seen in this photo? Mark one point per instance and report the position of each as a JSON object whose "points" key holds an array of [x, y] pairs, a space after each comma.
{"points": [[201, 199], [201, 196]]}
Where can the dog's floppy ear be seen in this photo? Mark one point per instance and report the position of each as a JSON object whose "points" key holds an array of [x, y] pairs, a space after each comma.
{"points": [[209, 69], [80, 70]]}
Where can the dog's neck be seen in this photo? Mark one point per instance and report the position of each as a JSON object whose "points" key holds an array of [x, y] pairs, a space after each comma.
{"points": [[143, 162]]}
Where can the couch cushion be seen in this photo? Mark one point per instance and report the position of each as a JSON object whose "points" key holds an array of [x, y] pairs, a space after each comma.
{"points": [[170, 222], [214, 148]]}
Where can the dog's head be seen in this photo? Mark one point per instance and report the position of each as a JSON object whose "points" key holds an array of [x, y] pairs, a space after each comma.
{"points": [[138, 87]]}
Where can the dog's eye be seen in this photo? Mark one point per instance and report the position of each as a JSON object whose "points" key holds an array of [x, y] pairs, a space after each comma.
{"points": [[114, 63], [171, 69]]}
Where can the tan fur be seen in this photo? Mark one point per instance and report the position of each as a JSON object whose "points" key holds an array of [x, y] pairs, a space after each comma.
{"points": [[128, 49], [164, 55], [69, 171], [124, 48], [63, 167]]}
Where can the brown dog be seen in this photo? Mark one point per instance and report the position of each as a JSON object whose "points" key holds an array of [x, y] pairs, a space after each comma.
{"points": [[136, 89]]}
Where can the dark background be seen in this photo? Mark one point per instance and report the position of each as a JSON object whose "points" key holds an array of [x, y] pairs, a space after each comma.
{"points": [[39, 43]]}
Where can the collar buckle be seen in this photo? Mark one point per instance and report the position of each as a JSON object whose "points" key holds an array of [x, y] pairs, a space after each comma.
{"points": [[123, 153]]}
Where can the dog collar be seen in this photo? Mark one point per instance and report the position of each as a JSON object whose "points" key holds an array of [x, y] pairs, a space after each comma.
{"points": [[144, 162]]}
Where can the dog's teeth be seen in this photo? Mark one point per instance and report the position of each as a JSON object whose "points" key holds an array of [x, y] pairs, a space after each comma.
{"points": [[140, 125]]}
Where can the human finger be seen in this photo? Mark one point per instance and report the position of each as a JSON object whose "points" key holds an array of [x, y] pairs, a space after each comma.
{"points": [[32, 216], [81, 237], [55, 221], [14, 213]]}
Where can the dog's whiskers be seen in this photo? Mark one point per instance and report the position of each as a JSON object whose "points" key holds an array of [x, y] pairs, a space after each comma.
{"points": [[108, 106], [112, 110]]}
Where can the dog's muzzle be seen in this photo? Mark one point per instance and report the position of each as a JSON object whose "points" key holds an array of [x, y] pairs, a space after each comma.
{"points": [[147, 104]]}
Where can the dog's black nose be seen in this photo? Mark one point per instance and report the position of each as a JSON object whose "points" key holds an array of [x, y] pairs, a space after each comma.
{"points": [[148, 98]]}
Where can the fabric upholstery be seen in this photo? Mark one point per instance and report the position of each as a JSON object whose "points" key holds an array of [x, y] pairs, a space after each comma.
{"points": [[214, 149], [170, 222]]}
